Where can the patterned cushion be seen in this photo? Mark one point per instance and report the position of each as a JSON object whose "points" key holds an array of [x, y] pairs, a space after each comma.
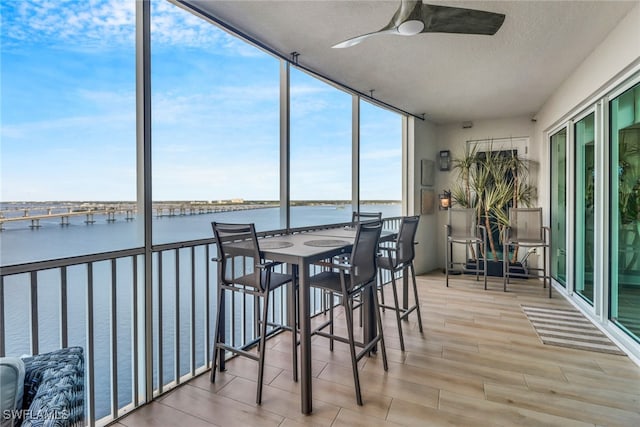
{"points": [[54, 389]]}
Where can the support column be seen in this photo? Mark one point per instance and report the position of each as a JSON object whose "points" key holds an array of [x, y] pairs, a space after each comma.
{"points": [[355, 153], [144, 196], [285, 143]]}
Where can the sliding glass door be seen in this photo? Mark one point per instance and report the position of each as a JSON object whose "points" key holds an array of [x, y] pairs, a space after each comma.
{"points": [[625, 211], [595, 210], [559, 206], [584, 199]]}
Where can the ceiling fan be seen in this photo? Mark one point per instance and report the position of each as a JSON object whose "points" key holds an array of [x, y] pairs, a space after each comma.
{"points": [[414, 17]]}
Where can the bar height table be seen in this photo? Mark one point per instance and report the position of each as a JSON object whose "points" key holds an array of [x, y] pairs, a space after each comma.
{"points": [[303, 249]]}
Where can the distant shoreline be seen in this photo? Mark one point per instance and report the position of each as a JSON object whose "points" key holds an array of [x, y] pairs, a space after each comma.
{"points": [[10, 205], [64, 210], [328, 202]]}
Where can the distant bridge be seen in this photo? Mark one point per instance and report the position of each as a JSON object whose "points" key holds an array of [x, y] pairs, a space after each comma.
{"points": [[34, 214]]}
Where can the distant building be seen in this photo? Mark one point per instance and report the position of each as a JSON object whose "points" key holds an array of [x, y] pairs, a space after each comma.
{"points": [[231, 201]]}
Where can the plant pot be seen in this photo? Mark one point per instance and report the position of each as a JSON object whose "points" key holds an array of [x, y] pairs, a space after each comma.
{"points": [[495, 268]]}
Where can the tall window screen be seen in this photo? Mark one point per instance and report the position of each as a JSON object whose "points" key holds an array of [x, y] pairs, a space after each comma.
{"points": [[215, 128], [68, 128], [380, 160], [215, 157], [320, 152], [68, 178]]}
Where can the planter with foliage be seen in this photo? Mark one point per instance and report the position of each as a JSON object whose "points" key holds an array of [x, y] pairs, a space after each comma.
{"points": [[491, 182]]}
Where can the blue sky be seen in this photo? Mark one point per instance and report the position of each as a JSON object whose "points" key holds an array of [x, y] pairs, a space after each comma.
{"points": [[68, 112]]}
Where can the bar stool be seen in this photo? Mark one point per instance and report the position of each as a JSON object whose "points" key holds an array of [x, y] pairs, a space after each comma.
{"points": [[238, 243], [464, 229], [399, 257]]}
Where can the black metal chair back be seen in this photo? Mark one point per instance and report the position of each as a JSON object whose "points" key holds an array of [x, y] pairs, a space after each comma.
{"points": [[236, 242], [358, 217], [364, 254], [405, 242]]}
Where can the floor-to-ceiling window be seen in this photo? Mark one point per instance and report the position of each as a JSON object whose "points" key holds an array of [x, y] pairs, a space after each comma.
{"points": [[69, 159], [215, 128], [320, 176], [69, 135], [380, 160], [68, 128], [625, 210], [584, 134], [559, 206], [215, 157]]}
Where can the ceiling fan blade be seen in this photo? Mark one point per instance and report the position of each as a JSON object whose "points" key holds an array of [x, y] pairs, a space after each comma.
{"points": [[356, 40], [406, 9], [413, 17], [445, 19]]}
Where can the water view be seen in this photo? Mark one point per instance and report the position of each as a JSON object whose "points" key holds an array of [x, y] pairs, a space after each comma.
{"points": [[19, 243], [69, 132]]}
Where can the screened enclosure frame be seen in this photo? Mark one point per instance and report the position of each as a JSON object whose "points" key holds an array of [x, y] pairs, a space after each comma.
{"points": [[145, 148]]}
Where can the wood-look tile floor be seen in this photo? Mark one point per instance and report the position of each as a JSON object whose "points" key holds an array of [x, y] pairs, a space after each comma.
{"points": [[478, 363]]}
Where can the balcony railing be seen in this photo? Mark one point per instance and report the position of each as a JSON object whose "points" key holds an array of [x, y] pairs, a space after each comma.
{"points": [[98, 302]]}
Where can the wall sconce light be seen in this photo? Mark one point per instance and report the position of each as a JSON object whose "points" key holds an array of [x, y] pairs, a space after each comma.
{"points": [[445, 200], [444, 160]]}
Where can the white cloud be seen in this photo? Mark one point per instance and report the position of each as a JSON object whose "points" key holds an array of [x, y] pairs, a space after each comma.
{"points": [[173, 26], [69, 23], [90, 25]]}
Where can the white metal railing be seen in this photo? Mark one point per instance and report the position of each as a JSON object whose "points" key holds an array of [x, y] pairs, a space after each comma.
{"points": [[97, 302]]}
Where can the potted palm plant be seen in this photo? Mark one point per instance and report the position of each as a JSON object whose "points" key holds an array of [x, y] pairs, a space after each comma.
{"points": [[490, 182]]}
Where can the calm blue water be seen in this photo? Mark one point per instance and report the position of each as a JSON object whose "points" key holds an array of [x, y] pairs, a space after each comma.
{"points": [[20, 244]]}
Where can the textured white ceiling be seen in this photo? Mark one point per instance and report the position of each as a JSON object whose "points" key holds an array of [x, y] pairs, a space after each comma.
{"points": [[448, 77]]}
